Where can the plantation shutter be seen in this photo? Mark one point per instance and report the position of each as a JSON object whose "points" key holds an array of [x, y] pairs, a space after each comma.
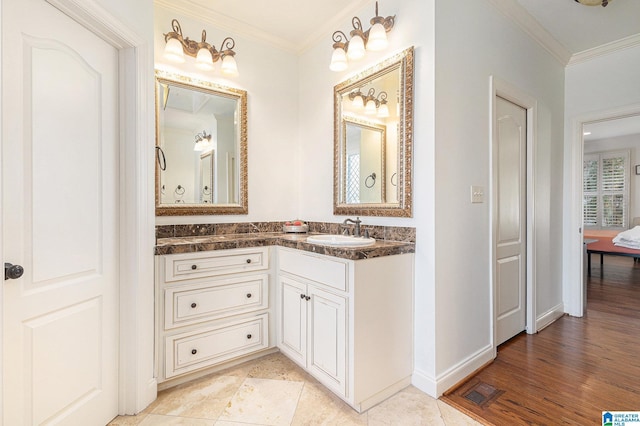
{"points": [[606, 190]]}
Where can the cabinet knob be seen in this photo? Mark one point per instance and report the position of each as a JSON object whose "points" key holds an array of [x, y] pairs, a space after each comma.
{"points": [[248, 336], [248, 260], [194, 266], [248, 295], [307, 297], [194, 351], [193, 305], [302, 296]]}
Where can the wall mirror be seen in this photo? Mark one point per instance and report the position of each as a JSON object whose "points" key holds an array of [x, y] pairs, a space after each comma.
{"points": [[373, 122], [201, 147]]}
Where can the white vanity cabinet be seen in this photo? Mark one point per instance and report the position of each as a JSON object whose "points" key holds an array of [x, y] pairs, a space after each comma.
{"points": [[348, 323], [212, 307]]}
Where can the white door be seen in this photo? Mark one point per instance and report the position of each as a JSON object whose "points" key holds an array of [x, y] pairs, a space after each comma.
{"points": [[293, 320], [59, 218], [510, 210], [327, 356]]}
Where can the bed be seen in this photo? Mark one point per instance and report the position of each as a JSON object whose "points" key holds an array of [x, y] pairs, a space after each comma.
{"points": [[600, 242]]}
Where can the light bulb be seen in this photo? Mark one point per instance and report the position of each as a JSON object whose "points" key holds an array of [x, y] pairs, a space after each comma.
{"points": [[377, 38], [357, 102], [204, 60], [383, 111], [356, 48], [173, 51], [338, 60], [229, 66], [370, 107]]}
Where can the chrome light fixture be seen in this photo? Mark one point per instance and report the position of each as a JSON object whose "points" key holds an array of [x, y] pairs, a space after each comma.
{"points": [[203, 142], [604, 3], [371, 103], [206, 54], [375, 38]]}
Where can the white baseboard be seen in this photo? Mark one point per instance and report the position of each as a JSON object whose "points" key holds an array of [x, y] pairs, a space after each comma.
{"points": [[550, 316], [453, 376]]}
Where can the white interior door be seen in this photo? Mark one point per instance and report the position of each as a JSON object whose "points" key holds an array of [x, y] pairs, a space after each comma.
{"points": [[510, 210], [59, 218]]}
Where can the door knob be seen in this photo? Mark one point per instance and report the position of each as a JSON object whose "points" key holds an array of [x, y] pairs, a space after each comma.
{"points": [[12, 272]]}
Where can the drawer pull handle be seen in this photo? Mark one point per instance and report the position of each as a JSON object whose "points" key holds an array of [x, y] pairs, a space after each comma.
{"points": [[194, 266], [194, 351], [248, 336], [248, 295], [193, 305], [248, 260]]}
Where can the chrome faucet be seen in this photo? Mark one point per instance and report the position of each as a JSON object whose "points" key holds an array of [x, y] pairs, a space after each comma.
{"points": [[356, 230]]}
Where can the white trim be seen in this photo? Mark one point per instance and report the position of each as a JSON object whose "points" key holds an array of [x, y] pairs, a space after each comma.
{"points": [[530, 26], [605, 49], [137, 386], [454, 375], [573, 266], [550, 316], [513, 94], [1, 238]]}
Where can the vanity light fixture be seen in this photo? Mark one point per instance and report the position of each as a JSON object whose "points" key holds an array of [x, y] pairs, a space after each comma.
{"points": [[371, 103], [375, 38], [206, 54], [203, 142], [602, 3]]}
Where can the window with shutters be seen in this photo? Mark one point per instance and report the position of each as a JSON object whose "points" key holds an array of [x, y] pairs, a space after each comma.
{"points": [[605, 190]]}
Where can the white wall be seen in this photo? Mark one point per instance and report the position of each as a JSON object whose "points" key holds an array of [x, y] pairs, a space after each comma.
{"points": [[631, 143], [473, 42], [270, 77]]}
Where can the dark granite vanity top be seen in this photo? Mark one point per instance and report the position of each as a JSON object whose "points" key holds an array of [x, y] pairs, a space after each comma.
{"points": [[190, 244]]}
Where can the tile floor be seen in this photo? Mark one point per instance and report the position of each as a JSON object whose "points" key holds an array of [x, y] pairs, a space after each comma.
{"points": [[274, 391]]}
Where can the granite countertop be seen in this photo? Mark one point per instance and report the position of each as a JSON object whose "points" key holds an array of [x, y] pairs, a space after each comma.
{"points": [[296, 241]]}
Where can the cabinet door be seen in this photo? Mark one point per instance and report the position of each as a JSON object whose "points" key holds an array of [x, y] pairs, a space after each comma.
{"points": [[327, 339], [293, 320]]}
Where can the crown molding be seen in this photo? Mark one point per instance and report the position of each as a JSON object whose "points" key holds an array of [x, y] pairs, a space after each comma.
{"points": [[512, 10], [605, 49], [195, 11]]}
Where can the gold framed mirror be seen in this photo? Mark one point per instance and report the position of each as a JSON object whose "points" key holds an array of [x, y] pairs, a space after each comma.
{"points": [[373, 140], [201, 147]]}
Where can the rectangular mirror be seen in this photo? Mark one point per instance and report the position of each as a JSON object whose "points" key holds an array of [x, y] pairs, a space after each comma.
{"points": [[373, 122], [201, 147]]}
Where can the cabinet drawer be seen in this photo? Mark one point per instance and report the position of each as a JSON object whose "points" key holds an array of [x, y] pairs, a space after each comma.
{"points": [[329, 272], [187, 352], [191, 304], [212, 263]]}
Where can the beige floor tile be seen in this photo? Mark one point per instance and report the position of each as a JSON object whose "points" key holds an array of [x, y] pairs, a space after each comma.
{"points": [[277, 367], [408, 407], [160, 420], [204, 398], [264, 402], [127, 420], [318, 406], [453, 417]]}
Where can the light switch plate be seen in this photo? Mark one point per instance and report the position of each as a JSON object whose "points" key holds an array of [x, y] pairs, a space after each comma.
{"points": [[477, 194]]}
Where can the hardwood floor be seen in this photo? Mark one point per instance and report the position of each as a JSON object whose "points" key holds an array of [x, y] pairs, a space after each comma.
{"points": [[572, 370]]}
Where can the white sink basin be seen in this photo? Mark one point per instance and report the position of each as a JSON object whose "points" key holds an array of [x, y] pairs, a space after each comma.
{"points": [[341, 240]]}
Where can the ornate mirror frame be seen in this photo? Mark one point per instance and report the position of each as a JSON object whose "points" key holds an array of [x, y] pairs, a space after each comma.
{"points": [[403, 63], [242, 207]]}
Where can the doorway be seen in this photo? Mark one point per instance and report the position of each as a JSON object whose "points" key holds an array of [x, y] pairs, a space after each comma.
{"points": [[512, 200], [574, 249]]}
